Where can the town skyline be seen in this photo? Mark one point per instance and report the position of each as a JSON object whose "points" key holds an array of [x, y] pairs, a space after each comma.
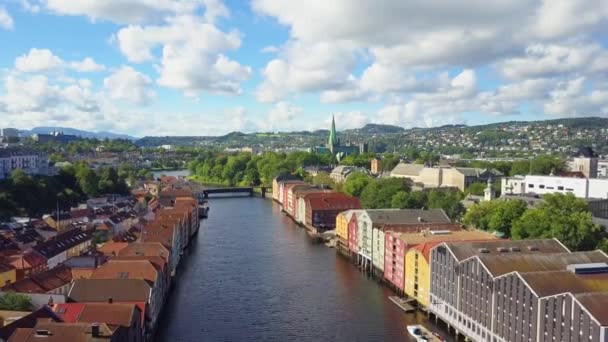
{"points": [[261, 66]]}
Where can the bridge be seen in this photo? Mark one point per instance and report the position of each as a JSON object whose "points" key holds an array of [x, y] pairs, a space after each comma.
{"points": [[233, 190]]}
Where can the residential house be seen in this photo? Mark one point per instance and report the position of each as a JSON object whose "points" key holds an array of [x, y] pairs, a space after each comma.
{"points": [[112, 248], [136, 269], [413, 252], [125, 320], [322, 208], [118, 291], [27, 263], [63, 246], [28, 321], [373, 223], [275, 184], [52, 281], [59, 332], [340, 173]]}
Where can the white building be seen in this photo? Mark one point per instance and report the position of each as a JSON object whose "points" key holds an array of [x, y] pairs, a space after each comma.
{"points": [[31, 163], [9, 132], [541, 185]]}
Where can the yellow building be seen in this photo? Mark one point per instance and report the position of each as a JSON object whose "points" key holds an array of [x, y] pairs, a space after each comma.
{"points": [[8, 274], [342, 220], [417, 270]]}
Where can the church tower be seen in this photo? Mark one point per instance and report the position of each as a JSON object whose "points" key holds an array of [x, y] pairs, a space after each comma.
{"points": [[489, 193], [332, 142]]}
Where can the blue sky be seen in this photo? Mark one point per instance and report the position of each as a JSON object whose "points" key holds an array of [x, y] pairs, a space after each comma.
{"points": [[208, 67]]}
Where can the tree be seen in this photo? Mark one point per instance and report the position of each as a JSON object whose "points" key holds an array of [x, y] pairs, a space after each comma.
{"points": [[355, 183], [562, 216], [379, 192], [411, 200], [15, 302], [476, 189], [504, 214], [388, 162], [448, 200]]}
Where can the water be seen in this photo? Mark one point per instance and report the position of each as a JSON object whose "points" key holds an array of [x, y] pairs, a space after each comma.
{"points": [[253, 275]]}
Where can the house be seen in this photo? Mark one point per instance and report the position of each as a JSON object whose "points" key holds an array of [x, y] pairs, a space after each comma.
{"points": [[68, 244], [146, 249], [165, 232], [373, 223], [412, 258], [340, 173], [82, 267], [275, 184], [125, 320], [32, 163], [28, 322], [112, 248], [136, 269], [118, 291], [53, 281], [375, 165], [188, 205], [322, 208], [586, 162], [27, 264], [59, 332]]}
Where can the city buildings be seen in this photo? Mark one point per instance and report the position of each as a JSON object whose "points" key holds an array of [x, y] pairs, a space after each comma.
{"points": [[340, 173], [32, 163], [435, 177], [322, 209], [541, 185], [338, 148]]}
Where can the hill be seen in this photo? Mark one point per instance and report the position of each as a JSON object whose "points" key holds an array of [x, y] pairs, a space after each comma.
{"points": [[78, 132]]}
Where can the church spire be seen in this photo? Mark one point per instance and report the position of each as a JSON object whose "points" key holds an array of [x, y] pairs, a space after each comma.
{"points": [[333, 137]]}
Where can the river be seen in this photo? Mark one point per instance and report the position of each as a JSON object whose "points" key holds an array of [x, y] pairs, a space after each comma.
{"points": [[253, 275]]}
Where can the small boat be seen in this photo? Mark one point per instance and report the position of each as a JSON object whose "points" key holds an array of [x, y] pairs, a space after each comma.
{"points": [[416, 331], [203, 210]]}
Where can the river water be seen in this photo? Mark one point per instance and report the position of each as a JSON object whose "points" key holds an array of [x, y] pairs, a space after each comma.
{"points": [[253, 275]]}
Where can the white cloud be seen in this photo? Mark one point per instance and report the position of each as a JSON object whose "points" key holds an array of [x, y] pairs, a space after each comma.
{"points": [[87, 65], [6, 21], [306, 68], [347, 120], [38, 60], [121, 11], [281, 117], [563, 18], [553, 60], [33, 94], [129, 85], [192, 54]]}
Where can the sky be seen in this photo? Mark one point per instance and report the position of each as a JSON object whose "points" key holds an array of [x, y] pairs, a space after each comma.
{"points": [[209, 67]]}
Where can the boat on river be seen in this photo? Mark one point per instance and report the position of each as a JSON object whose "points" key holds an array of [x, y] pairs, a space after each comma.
{"points": [[422, 334], [203, 210]]}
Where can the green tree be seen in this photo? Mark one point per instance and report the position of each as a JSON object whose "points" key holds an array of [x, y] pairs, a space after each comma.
{"points": [[504, 214], [355, 183], [562, 216], [448, 200], [388, 162], [379, 192], [15, 302], [476, 189], [409, 200]]}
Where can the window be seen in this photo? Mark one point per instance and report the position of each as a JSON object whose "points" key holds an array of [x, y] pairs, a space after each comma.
{"points": [[541, 186], [561, 188], [531, 186]]}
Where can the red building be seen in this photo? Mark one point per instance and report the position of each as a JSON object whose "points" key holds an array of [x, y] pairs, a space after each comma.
{"points": [[289, 196], [322, 208]]}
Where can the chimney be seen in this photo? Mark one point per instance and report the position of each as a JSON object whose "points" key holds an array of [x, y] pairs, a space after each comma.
{"points": [[110, 300], [95, 332]]}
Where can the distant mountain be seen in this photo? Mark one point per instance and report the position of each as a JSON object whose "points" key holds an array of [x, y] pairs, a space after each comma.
{"points": [[377, 129], [78, 132]]}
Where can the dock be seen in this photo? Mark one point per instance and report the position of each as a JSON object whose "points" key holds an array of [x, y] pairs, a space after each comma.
{"points": [[403, 304]]}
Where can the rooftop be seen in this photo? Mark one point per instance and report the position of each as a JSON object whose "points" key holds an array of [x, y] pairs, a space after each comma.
{"points": [[63, 242], [444, 236], [100, 290], [407, 216], [464, 250]]}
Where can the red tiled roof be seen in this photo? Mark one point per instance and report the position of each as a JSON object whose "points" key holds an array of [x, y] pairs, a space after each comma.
{"points": [[68, 312], [127, 269], [332, 201], [112, 248]]}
